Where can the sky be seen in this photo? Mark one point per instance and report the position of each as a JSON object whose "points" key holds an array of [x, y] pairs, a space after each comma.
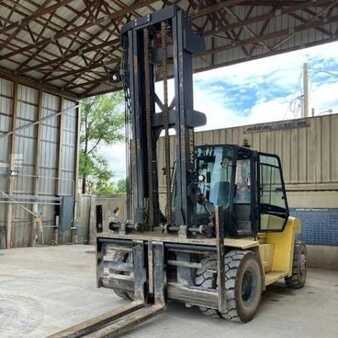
{"points": [[257, 91]]}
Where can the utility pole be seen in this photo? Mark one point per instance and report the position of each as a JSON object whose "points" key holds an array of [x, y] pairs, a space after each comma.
{"points": [[306, 103]]}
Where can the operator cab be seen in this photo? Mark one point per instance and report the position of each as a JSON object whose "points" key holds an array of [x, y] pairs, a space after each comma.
{"points": [[246, 184]]}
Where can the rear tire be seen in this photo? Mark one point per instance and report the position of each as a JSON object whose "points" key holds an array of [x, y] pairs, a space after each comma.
{"points": [[243, 284], [299, 267]]}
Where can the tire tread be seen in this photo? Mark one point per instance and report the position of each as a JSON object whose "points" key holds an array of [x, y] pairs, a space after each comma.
{"points": [[294, 281], [232, 262]]}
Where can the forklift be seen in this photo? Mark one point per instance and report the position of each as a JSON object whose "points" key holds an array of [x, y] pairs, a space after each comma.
{"points": [[223, 233]]}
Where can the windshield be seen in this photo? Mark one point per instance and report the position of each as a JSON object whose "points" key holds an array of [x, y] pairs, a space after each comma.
{"points": [[221, 171], [214, 165]]}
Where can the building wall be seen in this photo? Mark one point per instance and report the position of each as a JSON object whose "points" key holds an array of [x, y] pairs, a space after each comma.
{"points": [[308, 149], [37, 162], [86, 215]]}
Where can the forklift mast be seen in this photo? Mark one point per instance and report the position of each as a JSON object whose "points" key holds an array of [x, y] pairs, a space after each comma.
{"points": [[158, 47]]}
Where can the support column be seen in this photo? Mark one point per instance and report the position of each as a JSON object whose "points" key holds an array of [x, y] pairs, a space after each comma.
{"points": [[219, 221], [60, 150], [59, 161], [36, 218], [76, 167], [306, 103], [11, 162]]}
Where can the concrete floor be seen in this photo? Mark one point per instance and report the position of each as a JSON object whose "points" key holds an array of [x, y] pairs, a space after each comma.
{"points": [[43, 290]]}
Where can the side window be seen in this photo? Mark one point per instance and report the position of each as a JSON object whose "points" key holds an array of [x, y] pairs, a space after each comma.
{"points": [[273, 203]]}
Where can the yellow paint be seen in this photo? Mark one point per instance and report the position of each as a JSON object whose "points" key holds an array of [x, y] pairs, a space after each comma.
{"points": [[273, 277], [283, 245], [241, 243], [266, 255]]}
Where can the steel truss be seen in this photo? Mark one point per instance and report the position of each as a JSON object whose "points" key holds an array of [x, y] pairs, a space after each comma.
{"points": [[72, 47]]}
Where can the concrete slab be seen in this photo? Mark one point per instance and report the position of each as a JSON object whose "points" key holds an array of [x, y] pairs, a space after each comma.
{"points": [[43, 290]]}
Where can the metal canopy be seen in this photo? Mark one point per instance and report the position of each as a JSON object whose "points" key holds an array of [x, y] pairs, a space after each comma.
{"points": [[71, 47]]}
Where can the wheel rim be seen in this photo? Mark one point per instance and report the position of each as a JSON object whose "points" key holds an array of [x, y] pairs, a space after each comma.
{"points": [[249, 286]]}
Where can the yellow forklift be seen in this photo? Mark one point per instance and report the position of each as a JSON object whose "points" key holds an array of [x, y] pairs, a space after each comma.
{"points": [[224, 234]]}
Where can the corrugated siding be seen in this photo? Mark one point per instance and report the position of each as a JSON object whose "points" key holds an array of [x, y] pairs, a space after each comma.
{"points": [[49, 184], [308, 154], [6, 101], [49, 145], [68, 149]]}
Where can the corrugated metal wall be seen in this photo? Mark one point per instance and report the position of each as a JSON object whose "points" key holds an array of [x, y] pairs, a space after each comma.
{"points": [[37, 162], [307, 147], [307, 150]]}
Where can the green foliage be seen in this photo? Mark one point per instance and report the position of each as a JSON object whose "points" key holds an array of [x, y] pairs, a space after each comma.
{"points": [[121, 186], [109, 188], [102, 121]]}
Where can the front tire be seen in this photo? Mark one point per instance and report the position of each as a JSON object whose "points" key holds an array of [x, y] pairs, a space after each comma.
{"points": [[206, 278], [243, 284], [299, 268]]}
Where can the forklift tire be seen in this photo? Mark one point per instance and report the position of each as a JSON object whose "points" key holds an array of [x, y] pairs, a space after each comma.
{"points": [[299, 268], [206, 278], [243, 284], [120, 256]]}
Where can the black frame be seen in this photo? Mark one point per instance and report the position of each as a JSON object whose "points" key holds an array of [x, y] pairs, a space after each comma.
{"points": [[255, 164], [287, 213], [251, 155]]}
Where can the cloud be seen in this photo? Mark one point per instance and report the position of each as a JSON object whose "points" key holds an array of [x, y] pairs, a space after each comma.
{"points": [[280, 67], [267, 89], [324, 96]]}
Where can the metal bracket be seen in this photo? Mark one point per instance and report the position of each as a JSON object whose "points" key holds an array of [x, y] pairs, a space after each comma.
{"points": [[183, 231], [220, 259], [123, 228], [160, 275], [140, 274], [184, 271]]}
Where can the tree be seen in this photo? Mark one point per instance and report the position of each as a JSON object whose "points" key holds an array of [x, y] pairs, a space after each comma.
{"points": [[109, 187], [102, 121], [121, 186]]}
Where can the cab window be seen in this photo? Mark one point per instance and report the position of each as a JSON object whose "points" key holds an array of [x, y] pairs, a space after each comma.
{"points": [[272, 197]]}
